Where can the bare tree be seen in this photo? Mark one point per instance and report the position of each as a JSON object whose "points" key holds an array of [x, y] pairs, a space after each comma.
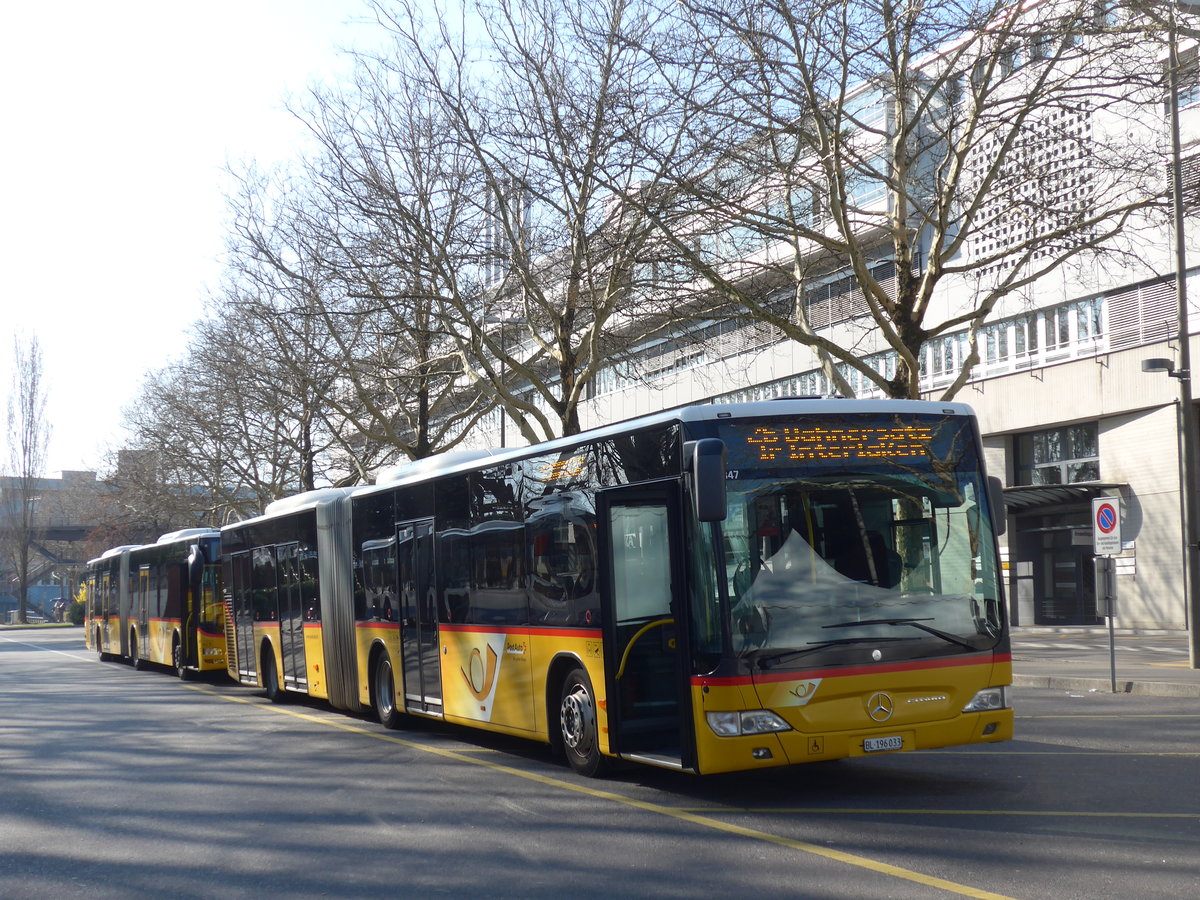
{"points": [[138, 505], [933, 159], [342, 267], [28, 442], [224, 430], [536, 290]]}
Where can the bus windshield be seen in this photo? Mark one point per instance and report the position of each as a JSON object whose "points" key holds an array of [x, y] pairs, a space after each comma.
{"points": [[862, 530]]}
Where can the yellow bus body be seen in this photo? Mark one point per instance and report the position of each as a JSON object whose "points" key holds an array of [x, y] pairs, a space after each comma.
{"points": [[500, 680], [830, 713], [268, 634]]}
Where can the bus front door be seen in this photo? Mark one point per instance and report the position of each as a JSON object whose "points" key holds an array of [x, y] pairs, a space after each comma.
{"points": [[643, 637], [418, 617]]}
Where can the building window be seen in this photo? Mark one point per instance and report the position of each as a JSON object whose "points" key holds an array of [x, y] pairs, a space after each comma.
{"points": [[866, 187], [1188, 86], [1065, 455]]}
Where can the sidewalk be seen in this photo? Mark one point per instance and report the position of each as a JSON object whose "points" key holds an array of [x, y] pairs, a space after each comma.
{"points": [[1154, 663]]}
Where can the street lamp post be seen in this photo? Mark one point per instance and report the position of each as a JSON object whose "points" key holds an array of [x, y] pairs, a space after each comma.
{"points": [[1183, 372], [503, 322], [503, 377]]}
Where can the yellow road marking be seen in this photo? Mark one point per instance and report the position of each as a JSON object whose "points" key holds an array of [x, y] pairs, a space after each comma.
{"points": [[1183, 753], [684, 815], [1044, 813], [1116, 716]]}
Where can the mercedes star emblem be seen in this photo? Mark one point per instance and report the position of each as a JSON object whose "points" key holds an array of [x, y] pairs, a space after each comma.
{"points": [[880, 707]]}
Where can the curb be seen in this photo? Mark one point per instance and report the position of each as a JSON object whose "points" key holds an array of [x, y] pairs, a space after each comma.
{"points": [[1018, 631], [1104, 685]]}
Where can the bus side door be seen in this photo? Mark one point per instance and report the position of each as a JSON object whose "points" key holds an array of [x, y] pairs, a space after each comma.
{"points": [[419, 645], [291, 617], [643, 601], [244, 665], [141, 610]]}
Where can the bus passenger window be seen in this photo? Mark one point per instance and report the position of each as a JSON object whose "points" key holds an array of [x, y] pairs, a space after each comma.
{"points": [[560, 535]]}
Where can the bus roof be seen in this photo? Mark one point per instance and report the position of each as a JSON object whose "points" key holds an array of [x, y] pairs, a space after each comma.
{"points": [[184, 533], [468, 460], [114, 551], [295, 503]]}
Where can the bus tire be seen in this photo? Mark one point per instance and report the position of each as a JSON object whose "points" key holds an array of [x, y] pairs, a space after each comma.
{"points": [[270, 677], [104, 657], [577, 725], [179, 662], [384, 693], [135, 656]]}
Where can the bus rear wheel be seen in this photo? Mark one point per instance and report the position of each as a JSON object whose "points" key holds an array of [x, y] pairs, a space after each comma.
{"points": [[179, 662], [385, 693], [135, 656], [577, 725], [270, 678]]}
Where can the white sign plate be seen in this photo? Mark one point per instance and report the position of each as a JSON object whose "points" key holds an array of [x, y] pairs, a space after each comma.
{"points": [[1106, 526]]}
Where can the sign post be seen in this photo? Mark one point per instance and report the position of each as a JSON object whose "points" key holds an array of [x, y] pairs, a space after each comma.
{"points": [[1106, 542]]}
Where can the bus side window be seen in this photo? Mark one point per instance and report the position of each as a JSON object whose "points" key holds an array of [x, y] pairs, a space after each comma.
{"points": [[497, 590], [265, 603], [310, 593], [560, 535]]}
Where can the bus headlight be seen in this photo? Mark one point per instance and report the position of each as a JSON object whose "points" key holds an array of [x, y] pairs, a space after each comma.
{"points": [[989, 699], [750, 721]]}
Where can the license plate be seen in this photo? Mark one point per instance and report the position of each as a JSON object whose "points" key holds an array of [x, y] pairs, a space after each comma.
{"points": [[874, 745]]}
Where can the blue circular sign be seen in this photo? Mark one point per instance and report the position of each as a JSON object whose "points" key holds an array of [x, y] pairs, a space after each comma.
{"points": [[1106, 518]]}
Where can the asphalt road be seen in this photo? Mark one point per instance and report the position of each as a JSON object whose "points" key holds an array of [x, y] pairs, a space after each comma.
{"points": [[130, 784]]}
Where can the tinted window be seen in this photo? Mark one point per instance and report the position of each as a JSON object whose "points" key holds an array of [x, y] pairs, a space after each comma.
{"points": [[379, 597], [560, 536], [453, 558], [263, 561], [643, 456], [496, 548]]}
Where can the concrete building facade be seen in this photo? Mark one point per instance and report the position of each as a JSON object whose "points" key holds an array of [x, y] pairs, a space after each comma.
{"points": [[1066, 411]]}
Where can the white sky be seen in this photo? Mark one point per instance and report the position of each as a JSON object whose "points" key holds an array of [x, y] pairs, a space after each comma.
{"points": [[118, 120]]}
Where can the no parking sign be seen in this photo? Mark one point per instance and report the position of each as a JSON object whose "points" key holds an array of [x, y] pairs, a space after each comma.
{"points": [[1106, 526]]}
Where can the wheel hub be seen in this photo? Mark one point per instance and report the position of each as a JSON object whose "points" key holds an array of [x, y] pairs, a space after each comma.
{"points": [[383, 690], [576, 714]]}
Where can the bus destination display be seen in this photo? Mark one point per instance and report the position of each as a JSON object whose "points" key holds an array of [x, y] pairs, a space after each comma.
{"points": [[814, 444]]}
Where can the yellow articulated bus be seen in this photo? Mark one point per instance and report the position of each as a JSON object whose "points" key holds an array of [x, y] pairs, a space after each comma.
{"points": [[159, 603], [713, 589]]}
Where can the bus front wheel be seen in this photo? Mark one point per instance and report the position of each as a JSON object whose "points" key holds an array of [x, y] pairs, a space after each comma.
{"points": [[577, 725]]}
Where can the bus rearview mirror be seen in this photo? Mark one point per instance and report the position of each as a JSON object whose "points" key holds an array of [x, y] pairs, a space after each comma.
{"points": [[708, 479]]}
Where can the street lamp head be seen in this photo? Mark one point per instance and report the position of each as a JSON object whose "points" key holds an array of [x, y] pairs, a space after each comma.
{"points": [[1158, 364]]}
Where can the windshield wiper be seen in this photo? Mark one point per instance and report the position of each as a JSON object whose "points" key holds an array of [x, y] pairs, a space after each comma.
{"points": [[766, 659], [915, 623], [986, 626]]}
